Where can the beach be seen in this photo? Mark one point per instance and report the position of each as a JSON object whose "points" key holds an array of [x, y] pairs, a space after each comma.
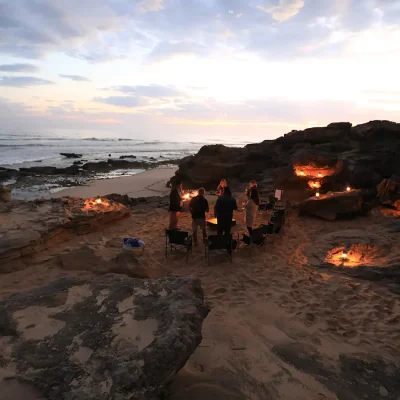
{"points": [[144, 184]]}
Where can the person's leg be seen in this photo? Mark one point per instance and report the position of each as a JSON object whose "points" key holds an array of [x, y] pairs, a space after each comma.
{"points": [[177, 219], [172, 220], [250, 229], [228, 227], [203, 226], [194, 229]]}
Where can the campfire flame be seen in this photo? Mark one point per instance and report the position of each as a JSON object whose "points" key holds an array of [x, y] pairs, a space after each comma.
{"points": [[95, 204], [314, 184], [313, 172], [190, 194]]}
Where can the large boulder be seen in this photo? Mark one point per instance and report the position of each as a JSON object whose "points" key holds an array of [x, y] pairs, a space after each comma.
{"points": [[112, 337], [332, 206]]}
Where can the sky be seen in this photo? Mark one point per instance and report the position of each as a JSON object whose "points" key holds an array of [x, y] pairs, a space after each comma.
{"points": [[177, 69]]}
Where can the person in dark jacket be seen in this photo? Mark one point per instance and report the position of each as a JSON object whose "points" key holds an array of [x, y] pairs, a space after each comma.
{"points": [[198, 208], [224, 208], [175, 204]]}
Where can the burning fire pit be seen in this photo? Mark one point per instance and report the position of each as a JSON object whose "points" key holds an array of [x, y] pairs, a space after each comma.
{"points": [[97, 204], [189, 195], [213, 223]]}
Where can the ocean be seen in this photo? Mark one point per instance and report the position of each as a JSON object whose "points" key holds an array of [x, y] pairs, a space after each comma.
{"points": [[24, 150]]}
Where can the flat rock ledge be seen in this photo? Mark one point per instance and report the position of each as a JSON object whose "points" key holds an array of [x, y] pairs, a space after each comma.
{"points": [[27, 227], [110, 338]]}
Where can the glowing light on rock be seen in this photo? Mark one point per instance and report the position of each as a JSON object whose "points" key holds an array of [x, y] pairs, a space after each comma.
{"points": [[317, 194], [344, 256], [348, 188], [98, 201]]}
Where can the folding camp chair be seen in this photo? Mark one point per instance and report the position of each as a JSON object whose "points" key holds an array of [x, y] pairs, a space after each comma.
{"points": [[257, 238], [219, 242], [175, 239]]}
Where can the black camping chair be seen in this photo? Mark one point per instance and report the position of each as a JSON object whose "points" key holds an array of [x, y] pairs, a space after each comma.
{"points": [[219, 242], [257, 238], [175, 239]]}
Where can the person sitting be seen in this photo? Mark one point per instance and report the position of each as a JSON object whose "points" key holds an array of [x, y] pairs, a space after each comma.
{"points": [[198, 208], [252, 205], [175, 204], [221, 186], [224, 208]]}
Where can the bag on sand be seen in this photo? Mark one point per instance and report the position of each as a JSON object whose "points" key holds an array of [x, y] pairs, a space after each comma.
{"points": [[133, 243]]}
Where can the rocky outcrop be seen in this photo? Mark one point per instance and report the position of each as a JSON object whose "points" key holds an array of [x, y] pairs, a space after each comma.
{"points": [[7, 173], [125, 164], [112, 337], [28, 227], [130, 156], [5, 194], [71, 155], [389, 193], [360, 156], [332, 206], [72, 170]]}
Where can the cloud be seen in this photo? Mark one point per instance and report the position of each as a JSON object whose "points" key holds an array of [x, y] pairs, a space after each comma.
{"points": [[285, 10], [23, 81], [18, 68], [149, 90], [120, 101], [75, 78], [150, 5], [166, 50]]}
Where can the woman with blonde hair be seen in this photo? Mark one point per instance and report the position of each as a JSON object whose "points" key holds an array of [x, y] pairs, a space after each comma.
{"points": [[220, 189], [252, 205]]}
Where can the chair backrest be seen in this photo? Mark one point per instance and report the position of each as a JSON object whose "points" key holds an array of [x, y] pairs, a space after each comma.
{"points": [[177, 237], [219, 242], [257, 234], [278, 194]]}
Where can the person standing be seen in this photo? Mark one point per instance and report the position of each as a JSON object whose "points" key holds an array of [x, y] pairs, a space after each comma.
{"points": [[220, 189], [252, 205], [175, 205], [198, 208], [224, 208]]}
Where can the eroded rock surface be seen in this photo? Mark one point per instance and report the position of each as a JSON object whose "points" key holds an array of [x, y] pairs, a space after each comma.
{"points": [[110, 338], [27, 227]]}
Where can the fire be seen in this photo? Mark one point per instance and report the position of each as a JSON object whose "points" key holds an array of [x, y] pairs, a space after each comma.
{"points": [[314, 184], [186, 196], [190, 194], [313, 172], [95, 204]]}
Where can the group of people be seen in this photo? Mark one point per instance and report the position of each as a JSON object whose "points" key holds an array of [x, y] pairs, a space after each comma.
{"points": [[224, 207]]}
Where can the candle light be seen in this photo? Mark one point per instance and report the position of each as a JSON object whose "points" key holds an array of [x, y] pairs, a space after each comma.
{"points": [[344, 256], [348, 188], [319, 175], [98, 201], [301, 173], [317, 194]]}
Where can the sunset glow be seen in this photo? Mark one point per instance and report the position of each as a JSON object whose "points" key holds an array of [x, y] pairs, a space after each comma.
{"points": [[259, 69]]}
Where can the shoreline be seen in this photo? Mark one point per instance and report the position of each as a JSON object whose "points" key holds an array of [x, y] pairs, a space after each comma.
{"points": [[144, 184]]}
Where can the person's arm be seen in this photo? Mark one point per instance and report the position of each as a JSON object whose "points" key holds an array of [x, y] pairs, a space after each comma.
{"points": [[217, 206], [191, 205], [207, 206]]}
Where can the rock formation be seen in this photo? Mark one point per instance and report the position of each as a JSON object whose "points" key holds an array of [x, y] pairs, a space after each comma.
{"points": [[71, 155], [5, 194], [27, 227], [112, 337], [360, 156], [389, 193]]}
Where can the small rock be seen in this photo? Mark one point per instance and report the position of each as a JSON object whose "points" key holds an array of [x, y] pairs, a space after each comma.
{"points": [[383, 391]]}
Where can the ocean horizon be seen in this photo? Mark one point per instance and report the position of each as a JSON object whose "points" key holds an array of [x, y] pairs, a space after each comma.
{"points": [[29, 149]]}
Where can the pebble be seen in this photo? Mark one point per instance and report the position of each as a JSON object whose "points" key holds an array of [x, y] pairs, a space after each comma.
{"points": [[383, 391]]}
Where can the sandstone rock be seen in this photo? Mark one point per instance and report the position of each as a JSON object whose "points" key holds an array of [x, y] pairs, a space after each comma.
{"points": [[332, 206], [5, 194], [389, 193], [28, 226], [112, 337], [71, 155]]}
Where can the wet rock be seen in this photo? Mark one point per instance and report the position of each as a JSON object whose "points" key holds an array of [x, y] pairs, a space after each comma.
{"points": [[6, 173], [101, 166], [116, 164], [332, 206], [71, 155], [5, 194], [123, 157], [112, 337]]}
